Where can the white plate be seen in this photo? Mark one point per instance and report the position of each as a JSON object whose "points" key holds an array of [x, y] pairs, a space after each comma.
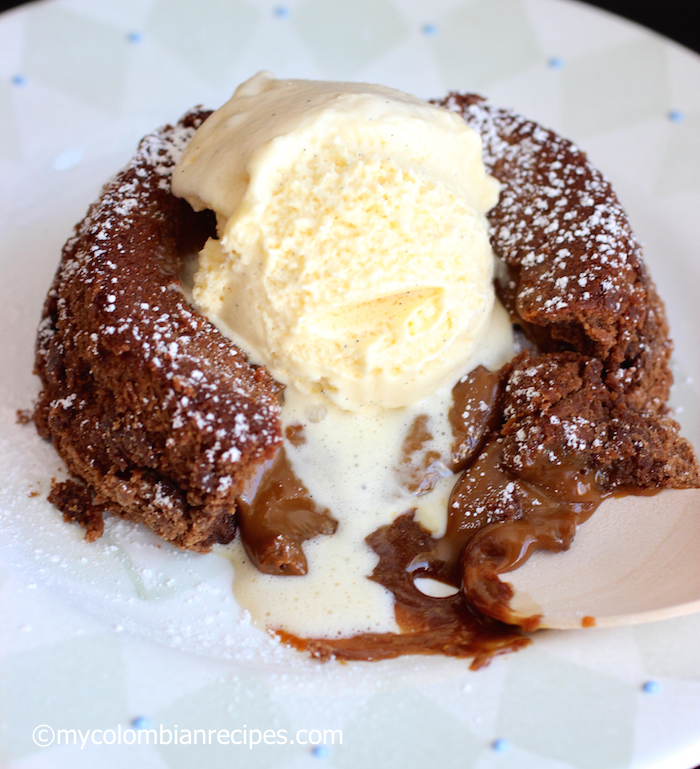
{"points": [[94, 635]]}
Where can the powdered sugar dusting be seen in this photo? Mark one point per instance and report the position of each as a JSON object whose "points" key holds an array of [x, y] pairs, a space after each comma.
{"points": [[117, 304], [557, 217]]}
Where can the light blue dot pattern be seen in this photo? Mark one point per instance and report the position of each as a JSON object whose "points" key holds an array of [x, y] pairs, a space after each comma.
{"points": [[141, 722], [555, 62], [281, 12], [19, 80], [430, 29], [651, 687], [321, 751], [500, 745], [675, 116]]}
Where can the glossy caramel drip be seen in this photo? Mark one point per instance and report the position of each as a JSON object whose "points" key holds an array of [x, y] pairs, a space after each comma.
{"points": [[275, 515], [488, 495], [475, 413], [428, 625], [480, 497], [540, 513]]}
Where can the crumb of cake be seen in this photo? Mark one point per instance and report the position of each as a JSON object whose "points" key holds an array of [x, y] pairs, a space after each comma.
{"points": [[76, 503], [24, 416]]}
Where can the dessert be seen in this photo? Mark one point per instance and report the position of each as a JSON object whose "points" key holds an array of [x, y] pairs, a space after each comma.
{"points": [[167, 422]]}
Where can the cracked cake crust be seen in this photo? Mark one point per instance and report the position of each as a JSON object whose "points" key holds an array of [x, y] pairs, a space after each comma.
{"points": [[148, 404], [577, 279]]}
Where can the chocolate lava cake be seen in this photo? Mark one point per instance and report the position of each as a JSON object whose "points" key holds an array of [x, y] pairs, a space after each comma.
{"points": [[163, 421]]}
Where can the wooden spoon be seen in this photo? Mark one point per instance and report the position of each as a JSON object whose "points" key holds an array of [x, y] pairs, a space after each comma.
{"points": [[636, 560]]}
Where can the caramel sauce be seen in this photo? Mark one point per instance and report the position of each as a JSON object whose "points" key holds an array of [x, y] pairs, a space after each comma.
{"points": [[447, 626], [450, 626], [496, 520], [540, 513], [275, 515], [475, 413]]}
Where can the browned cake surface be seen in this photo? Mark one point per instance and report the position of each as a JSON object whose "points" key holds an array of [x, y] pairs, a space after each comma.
{"points": [[559, 406], [162, 417], [164, 420], [577, 279]]}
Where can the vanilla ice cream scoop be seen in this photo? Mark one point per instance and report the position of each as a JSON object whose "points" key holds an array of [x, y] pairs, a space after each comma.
{"points": [[353, 257]]}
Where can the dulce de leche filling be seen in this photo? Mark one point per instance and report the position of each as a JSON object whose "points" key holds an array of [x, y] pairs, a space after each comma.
{"points": [[496, 519], [278, 516]]}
